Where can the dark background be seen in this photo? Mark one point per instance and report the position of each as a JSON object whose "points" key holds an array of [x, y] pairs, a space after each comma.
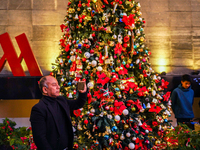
{"points": [[27, 87]]}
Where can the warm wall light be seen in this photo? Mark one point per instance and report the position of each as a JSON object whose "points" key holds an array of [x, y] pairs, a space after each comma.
{"points": [[162, 69]]}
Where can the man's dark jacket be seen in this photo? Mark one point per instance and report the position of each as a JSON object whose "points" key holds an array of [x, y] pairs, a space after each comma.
{"points": [[45, 127]]}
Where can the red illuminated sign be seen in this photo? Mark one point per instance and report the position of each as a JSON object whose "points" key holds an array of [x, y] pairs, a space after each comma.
{"points": [[11, 56]]}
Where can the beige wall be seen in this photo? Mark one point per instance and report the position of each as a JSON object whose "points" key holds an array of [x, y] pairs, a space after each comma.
{"points": [[172, 31]]}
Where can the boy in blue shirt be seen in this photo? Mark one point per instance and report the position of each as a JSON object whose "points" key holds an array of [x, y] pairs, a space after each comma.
{"points": [[182, 100]]}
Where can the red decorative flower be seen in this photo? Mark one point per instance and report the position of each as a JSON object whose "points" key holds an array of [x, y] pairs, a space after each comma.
{"points": [[77, 112], [118, 49], [142, 91], [154, 123], [103, 79], [118, 107], [123, 71], [164, 84], [129, 20], [146, 127], [166, 96], [155, 108], [114, 77]]}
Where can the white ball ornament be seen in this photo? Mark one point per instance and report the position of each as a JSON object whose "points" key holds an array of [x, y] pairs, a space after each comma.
{"points": [[134, 138], [73, 58], [109, 116], [62, 79], [117, 117], [147, 131], [92, 110], [94, 63], [99, 68], [131, 145], [122, 137], [125, 112], [87, 55], [128, 134], [137, 61]]}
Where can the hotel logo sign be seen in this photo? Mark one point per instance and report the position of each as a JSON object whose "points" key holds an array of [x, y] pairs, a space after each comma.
{"points": [[13, 60]]}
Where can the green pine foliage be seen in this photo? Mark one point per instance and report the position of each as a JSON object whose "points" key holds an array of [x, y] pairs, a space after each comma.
{"points": [[103, 43]]}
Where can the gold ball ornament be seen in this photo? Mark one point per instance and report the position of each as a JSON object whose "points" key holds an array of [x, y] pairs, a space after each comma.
{"points": [[104, 113], [117, 69], [133, 109], [126, 126]]}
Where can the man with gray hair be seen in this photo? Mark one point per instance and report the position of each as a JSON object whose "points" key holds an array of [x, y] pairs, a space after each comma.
{"points": [[50, 117]]}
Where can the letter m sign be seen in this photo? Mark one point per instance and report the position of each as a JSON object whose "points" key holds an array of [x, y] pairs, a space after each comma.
{"points": [[14, 61]]}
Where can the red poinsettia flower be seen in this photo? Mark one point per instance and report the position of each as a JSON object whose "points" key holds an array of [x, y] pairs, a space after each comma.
{"points": [[114, 78], [77, 112], [132, 85], [129, 20], [62, 27], [139, 143], [164, 84], [142, 91], [154, 108], [123, 71], [98, 94], [138, 104], [146, 127], [118, 49], [154, 123], [62, 42], [166, 96], [118, 107], [103, 79]]}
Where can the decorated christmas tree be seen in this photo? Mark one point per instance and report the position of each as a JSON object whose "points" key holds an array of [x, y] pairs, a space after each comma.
{"points": [[103, 43]]}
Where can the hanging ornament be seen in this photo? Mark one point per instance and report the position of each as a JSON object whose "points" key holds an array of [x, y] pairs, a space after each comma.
{"points": [[117, 118], [125, 112], [87, 55], [94, 63], [70, 95], [122, 137], [131, 145], [99, 68], [128, 134]]}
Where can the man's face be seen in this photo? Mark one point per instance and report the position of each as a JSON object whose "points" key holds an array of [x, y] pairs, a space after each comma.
{"points": [[53, 87], [185, 84]]}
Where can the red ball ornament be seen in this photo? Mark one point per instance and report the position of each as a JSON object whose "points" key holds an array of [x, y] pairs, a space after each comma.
{"points": [[127, 66], [85, 121], [91, 51], [134, 53], [75, 146], [125, 45], [116, 136], [91, 114], [120, 2], [83, 59], [144, 21], [111, 108]]}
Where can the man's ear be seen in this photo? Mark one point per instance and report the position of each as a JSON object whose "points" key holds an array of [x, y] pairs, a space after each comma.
{"points": [[44, 89]]}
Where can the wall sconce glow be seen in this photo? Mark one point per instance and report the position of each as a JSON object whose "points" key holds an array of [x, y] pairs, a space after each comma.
{"points": [[162, 69]]}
